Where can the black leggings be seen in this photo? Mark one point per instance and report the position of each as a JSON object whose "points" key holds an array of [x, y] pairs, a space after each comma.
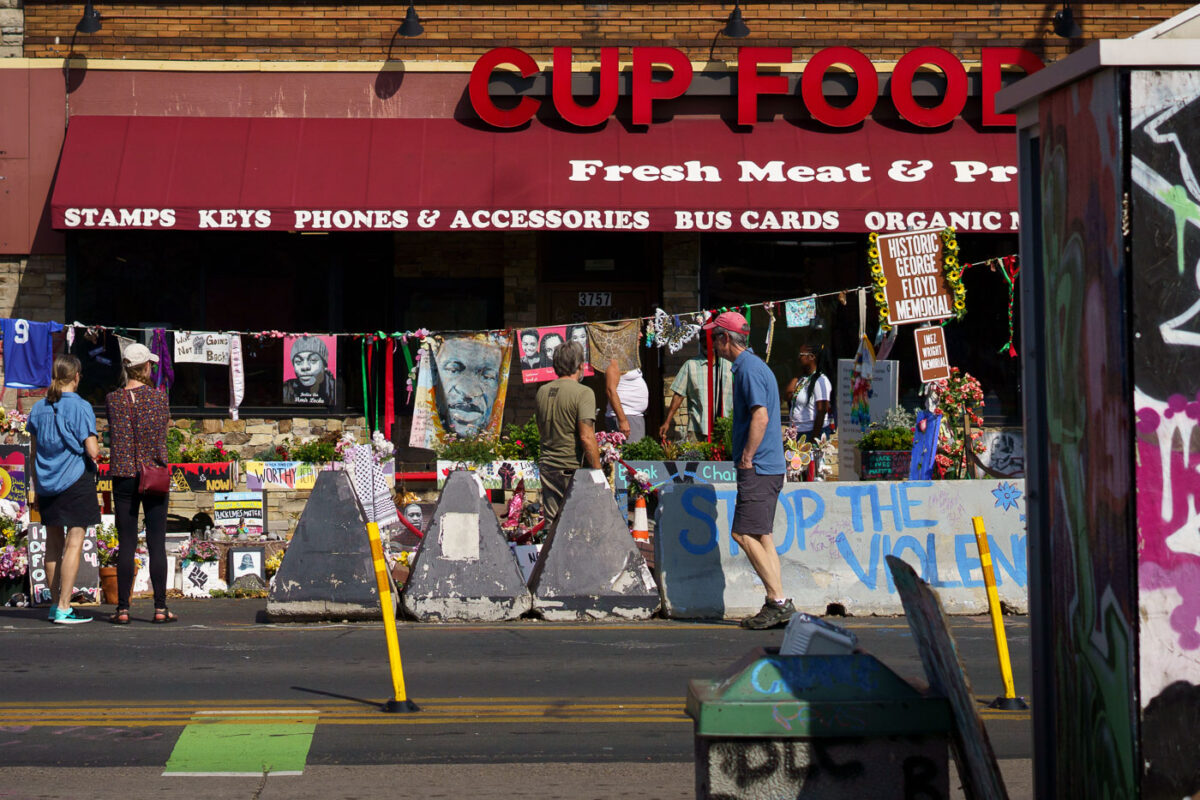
{"points": [[126, 499]]}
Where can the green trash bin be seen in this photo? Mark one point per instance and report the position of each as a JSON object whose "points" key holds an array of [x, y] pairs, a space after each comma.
{"points": [[840, 726]]}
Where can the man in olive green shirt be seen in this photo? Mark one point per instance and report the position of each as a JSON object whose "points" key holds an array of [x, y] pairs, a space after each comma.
{"points": [[566, 419]]}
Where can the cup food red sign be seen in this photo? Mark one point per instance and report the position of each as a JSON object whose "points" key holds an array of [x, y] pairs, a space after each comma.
{"points": [[916, 287], [932, 361]]}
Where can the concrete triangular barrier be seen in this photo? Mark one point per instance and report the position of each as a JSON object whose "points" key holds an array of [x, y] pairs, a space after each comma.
{"points": [[590, 567], [464, 569], [327, 572]]}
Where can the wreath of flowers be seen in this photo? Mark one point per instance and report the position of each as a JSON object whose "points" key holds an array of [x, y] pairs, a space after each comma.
{"points": [[951, 270]]}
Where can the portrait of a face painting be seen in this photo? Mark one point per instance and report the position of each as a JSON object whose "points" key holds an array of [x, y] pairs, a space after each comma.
{"points": [[309, 366], [470, 380]]}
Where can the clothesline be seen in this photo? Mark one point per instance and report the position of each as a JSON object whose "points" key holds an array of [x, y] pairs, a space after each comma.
{"points": [[276, 334]]}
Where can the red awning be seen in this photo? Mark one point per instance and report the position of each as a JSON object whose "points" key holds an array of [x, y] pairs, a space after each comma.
{"points": [[188, 173]]}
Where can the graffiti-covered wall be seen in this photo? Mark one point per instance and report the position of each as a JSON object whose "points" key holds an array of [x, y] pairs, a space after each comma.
{"points": [[1087, 543], [1164, 147]]}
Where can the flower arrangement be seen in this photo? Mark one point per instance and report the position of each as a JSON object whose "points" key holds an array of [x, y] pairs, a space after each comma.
{"points": [[107, 545], [14, 561], [382, 450], [199, 550], [520, 442], [951, 271], [959, 399], [639, 484], [610, 446], [271, 565], [185, 448], [477, 450], [12, 421], [10, 533], [799, 453]]}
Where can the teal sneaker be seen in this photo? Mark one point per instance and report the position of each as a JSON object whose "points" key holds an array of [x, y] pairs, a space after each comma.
{"points": [[68, 617], [50, 616]]}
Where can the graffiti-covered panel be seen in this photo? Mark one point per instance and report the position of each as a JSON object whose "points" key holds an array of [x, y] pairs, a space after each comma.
{"points": [[1088, 480], [1165, 225]]}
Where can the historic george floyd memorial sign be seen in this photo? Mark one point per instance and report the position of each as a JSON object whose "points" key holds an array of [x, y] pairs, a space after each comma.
{"points": [[916, 289]]}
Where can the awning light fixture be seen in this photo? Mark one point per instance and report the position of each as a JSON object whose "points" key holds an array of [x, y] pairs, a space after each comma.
{"points": [[412, 23], [1065, 25], [735, 27], [91, 19]]}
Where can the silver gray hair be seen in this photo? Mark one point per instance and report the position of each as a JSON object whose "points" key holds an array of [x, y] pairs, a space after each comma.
{"points": [[568, 358]]}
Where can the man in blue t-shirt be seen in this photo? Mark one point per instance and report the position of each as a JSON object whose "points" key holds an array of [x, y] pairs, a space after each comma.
{"points": [[758, 456]]}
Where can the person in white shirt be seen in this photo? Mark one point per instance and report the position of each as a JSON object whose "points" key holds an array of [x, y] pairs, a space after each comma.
{"points": [[628, 396], [809, 396]]}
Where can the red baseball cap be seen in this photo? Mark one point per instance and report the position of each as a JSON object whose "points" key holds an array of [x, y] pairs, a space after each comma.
{"points": [[730, 321]]}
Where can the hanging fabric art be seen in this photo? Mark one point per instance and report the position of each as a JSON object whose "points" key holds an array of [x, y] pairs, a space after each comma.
{"points": [[1009, 269], [672, 331], [617, 340], [860, 383], [538, 345], [201, 347], [28, 353], [770, 308], [370, 486], [237, 375], [800, 313], [162, 372], [389, 399], [925, 443], [461, 388], [309, 366]]}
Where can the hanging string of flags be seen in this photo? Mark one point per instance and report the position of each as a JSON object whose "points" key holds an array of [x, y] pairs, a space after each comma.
{"points": [[462, 409]]}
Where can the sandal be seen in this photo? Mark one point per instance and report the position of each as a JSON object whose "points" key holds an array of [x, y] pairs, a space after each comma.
{"points": [[163, 615], [119, 617]]}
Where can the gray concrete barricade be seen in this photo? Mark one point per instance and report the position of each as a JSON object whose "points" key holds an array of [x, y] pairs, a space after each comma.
{"points": [[464, 569], [832, 539], [590, 567], [328, 572]]}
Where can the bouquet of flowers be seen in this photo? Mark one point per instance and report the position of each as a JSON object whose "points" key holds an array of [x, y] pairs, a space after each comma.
{"points": [[382, 450], [610, 446], [107, 545], [958, 399], [272, 564], [199, 550], [12, 421], [640, 485], [14, 561]]}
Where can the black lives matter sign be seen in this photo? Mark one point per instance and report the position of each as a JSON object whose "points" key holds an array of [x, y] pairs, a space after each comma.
{"points": [[916, 288], [932, 361]]}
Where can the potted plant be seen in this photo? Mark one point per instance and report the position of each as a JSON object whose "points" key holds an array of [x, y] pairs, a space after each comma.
{"points": [[201, 568], [107, 546], [14, 559], [887, 447]]}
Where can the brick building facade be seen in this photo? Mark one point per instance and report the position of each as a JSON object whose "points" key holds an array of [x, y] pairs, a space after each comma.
{"points": [[327, 60]]}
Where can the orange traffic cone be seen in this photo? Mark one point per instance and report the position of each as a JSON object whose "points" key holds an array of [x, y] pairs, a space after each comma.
{"points": [[641, 527]]}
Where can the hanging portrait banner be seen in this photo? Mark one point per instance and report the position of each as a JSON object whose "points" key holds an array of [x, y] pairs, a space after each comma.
{"points": [[309, 367], [536, 348], [916, 287], [201, 347], [461, 386]]}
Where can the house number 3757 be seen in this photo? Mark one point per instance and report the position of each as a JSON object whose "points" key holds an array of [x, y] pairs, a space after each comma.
{"points": [[595, 299]]}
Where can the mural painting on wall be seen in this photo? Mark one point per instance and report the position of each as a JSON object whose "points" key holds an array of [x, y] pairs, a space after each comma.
{"points": [[1089, 594], [1165, 149]]}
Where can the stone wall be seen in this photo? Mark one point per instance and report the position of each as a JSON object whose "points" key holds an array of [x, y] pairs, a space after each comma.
{"points": [[12, 28]]}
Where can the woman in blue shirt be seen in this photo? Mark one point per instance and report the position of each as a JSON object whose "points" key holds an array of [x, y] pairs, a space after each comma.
{"points": [[64, 448]]}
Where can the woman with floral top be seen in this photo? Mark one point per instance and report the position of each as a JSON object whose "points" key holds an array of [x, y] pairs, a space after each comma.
{"points": [[137, 424]]}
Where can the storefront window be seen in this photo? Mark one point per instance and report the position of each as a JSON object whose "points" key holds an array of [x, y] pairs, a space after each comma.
{"points": [[250, 282]]}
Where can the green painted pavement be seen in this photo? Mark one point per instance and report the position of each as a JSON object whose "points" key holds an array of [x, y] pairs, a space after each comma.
{"points": [[242, 744]]}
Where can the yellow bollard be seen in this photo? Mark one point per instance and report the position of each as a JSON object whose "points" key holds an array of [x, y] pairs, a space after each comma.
{"points": [[399, 701], [1010, 701]]}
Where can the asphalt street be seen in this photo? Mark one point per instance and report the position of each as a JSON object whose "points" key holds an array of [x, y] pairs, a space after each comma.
{"points": [[104, 699]]}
